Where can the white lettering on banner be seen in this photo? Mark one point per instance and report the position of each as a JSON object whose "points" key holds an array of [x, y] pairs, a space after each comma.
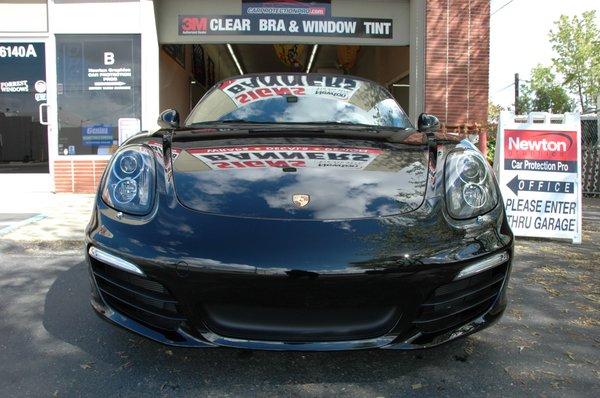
{"points": [[229, 24], [271, 25], [378, 28], [538, 166], [110, 78], [109, 58], [543, 145], [17, 86], [18, 51], [328, 27]]}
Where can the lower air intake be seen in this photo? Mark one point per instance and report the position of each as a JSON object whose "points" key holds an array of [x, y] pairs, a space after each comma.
{"points": [[460, 301], [142, 299]]}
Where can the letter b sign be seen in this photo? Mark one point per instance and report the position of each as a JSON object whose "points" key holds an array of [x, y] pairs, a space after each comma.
{"points": [[109, 58]]}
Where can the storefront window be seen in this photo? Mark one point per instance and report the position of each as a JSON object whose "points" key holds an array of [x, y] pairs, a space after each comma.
{"points": [[99, 92]]}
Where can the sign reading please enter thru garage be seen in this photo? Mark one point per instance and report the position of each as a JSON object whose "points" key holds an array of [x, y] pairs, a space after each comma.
{"points": [[538, 165]]}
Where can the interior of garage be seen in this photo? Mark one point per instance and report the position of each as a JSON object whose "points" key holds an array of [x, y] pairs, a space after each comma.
{"points": [[187, 71]]}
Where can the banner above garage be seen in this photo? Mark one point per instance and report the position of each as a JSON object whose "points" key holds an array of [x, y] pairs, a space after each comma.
{"points": [[289, 25], [260, 22]]}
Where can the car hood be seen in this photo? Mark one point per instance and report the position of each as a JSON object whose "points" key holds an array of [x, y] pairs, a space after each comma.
{"points": [[300, 178]]}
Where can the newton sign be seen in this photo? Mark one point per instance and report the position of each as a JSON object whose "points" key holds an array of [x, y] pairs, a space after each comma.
{"points": [[538, 165]]}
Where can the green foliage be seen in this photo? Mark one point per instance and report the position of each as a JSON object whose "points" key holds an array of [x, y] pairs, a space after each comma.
{"points": [[543, 93], [492, 128], [576, 43], [494, 113], [491, 146], [548, 94], [524, 103]]}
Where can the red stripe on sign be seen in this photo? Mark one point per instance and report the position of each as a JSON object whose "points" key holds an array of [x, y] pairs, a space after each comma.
{"points": [[540, 145]]}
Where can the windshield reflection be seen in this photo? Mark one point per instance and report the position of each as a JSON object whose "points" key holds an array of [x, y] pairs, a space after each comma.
{"points": [[299, 98], [388, 183]]}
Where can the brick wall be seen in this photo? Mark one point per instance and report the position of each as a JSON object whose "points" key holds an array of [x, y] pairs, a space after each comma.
{"points": [[457, 53], [78, 176]]}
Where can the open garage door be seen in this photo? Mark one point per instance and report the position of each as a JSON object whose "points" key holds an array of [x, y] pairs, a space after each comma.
{"points": [[204, 42], [188, 71]]}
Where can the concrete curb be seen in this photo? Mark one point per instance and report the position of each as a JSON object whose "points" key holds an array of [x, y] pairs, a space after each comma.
{"points": [[19, 224]]}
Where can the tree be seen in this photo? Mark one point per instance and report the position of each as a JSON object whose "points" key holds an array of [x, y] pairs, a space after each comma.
{"points": [[547, 94], [543, 94], [524, 103], [494, 113], [492, 127], [576, 43]]}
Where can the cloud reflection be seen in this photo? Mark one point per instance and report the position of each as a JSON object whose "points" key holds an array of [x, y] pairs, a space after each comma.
{"points": [[335, 193]]}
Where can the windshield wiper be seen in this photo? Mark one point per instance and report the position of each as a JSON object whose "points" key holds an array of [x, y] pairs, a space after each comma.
{"points": [[356, 126], [300, 125]]}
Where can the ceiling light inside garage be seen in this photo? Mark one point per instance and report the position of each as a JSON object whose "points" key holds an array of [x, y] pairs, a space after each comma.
{"points": [[312, 57], [235, 60]]}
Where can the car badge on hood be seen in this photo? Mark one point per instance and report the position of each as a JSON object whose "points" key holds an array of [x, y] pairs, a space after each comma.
{"points": [[301, 200]]}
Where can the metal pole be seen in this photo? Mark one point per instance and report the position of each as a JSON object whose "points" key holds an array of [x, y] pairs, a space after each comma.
{"points": [[517, 107], [598, 121]]}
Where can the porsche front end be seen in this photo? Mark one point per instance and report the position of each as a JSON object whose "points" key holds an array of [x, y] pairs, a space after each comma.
{"points": [[311, 236]]}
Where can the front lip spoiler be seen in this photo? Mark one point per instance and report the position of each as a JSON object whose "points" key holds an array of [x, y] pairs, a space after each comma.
{"points": [[212, 340], [107, 313]]}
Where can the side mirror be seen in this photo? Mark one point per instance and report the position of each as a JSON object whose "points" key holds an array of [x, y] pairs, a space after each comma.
{"points": [[428, 123], [169, 119]]}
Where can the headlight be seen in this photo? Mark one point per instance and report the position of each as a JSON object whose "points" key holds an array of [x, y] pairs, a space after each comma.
{"points": [[470, 189], [129, 185]]}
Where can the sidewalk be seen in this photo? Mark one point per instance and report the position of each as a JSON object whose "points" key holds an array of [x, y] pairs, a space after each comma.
{"points": [[50, 217]]}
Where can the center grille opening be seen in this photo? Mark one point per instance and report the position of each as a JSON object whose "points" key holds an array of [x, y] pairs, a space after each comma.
{"points": [[460, 301], [142, 299], [299, 324]]}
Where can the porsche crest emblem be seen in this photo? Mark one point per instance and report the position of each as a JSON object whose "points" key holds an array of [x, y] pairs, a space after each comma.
{"points": [[300, 200]]}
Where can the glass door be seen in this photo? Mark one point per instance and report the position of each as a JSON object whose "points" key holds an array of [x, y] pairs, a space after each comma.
{"points": [[23, 107]]}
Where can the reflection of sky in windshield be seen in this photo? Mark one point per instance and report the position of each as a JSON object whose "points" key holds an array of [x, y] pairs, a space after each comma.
{"points": [[317, 109]]}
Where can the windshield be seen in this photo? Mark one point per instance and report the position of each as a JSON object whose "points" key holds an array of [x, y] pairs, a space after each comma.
{"points": [[298, 98]]}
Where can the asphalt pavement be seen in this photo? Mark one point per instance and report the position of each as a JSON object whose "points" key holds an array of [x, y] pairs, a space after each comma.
{"points": [[547, 344]]}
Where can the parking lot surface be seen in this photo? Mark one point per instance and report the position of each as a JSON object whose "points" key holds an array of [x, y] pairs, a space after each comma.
{"points": [[547, 344]]}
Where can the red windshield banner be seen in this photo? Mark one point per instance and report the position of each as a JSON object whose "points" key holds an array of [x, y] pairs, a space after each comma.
{"points": [[220, 158]]}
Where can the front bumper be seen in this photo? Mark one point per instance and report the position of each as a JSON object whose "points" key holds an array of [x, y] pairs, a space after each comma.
{"points": [[461, 315]]}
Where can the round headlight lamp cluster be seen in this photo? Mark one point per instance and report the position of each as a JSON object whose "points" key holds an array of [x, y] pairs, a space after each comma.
{"points": [[129, 186], [470, 188]]}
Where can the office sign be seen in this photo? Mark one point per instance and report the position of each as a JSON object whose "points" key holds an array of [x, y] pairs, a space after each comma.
{"points": [[539, 171]]}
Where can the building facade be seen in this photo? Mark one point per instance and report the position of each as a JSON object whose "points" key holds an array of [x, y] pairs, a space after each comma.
{"points": [[78, 77]]}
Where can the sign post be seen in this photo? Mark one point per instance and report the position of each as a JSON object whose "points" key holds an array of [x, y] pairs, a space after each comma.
{"points": [[538, 166]]}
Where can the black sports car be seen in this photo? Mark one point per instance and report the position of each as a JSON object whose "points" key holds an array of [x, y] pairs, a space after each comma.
{"points": [[299, 212]]}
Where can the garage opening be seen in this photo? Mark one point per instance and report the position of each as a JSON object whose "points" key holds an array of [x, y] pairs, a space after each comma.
{"points": [[188, 71]]}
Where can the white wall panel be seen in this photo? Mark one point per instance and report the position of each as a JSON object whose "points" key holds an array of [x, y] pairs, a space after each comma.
{"points": [[23, 16], [93, 16]]}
